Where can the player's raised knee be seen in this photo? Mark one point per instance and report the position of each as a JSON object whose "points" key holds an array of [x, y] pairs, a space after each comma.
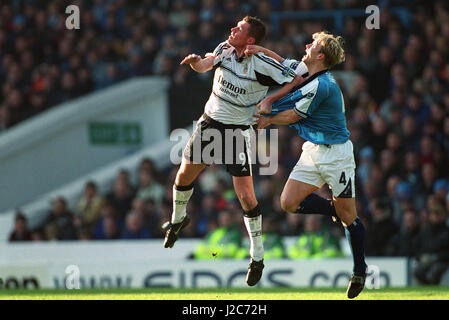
{"points": [[288, 205]]}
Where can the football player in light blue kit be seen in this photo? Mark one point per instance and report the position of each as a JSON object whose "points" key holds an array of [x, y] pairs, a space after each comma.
{"points": [[316, 109]]}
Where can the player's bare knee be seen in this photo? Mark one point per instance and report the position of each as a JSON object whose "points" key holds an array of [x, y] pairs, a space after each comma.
{"points": [[285, 203], [180, 178], [345, 209], [247, 200], [288, 205], [183, 177], [347, 216]]}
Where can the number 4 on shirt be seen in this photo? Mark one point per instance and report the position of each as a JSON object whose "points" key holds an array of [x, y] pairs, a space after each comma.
{"points": [[343, 178]]}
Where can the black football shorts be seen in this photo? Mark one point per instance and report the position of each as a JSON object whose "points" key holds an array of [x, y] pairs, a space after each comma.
{"points": [[213, 142]]}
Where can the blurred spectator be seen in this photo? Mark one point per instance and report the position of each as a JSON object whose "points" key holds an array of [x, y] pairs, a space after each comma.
{"points": [[379, 138], [433, 248], [429, 175], [380, 229], [68, 86], [373, 187], [427, 150], [89, 205], [381, 77], [122, 194], [392, 104], [404, 243], [441, 189], [105, 228], [134, 227], [208, 211], [392, 197], [389, 163], [413, 171], [149, 188], [148, 214], [367, 58], [410, 133], [59, 222], [148, 164], [366, 158], [417, 109], [20, 232], [394, 144], [110, 229]]}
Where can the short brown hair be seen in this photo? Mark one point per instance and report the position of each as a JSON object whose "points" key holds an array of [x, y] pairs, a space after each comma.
{"points": [[256, 29], [332, 47]]}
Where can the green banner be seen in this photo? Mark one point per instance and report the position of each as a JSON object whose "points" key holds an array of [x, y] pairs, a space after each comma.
{"points": [[115, 133]]}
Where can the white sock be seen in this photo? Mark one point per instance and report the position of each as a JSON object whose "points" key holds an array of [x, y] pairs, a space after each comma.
{"points": [[180, 200], [254, 227]]}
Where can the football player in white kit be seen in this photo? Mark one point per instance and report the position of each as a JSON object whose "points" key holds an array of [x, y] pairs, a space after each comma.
{"points": [[240, 84]]}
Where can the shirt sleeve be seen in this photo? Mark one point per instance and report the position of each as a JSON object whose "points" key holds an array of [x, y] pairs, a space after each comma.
{"points": [[299, 67], [218, 52], [311, 96], [269, 70]]}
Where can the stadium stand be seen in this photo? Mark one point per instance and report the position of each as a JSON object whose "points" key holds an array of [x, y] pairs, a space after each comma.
{"points": [[395, 82]]}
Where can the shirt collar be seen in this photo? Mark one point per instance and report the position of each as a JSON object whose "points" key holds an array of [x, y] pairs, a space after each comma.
{"points": [[237, 58], [309, 79]]}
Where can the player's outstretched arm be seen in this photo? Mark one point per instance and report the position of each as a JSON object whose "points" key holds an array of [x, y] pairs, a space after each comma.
{"points": [[253, 49], [198, 64]]}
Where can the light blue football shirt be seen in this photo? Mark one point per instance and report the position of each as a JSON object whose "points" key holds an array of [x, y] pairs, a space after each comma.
{"points": [[319, 102]]}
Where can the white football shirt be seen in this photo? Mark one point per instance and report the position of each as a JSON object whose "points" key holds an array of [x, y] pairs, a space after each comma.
{"points": [[241, 83], [298, 66]]}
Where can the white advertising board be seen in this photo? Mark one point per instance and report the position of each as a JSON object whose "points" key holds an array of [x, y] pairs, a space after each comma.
{"points": [[140, 264]]}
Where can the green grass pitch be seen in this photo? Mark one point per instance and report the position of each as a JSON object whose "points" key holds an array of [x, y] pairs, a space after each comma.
{"points": [[410, 293]]}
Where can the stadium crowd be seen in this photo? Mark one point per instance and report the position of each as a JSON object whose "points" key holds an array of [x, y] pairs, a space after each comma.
{"points": [[395, 82]]}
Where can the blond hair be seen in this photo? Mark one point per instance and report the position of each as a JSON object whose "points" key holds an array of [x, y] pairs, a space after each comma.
{"points": [[332, 47]]}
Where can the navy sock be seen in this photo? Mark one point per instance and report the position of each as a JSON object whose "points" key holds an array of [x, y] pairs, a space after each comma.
{"points": [[355, 233], [314, 204]]}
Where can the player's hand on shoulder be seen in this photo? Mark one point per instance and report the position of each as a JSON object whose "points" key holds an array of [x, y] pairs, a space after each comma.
{"points": [[252, 49], [191, 58]]}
